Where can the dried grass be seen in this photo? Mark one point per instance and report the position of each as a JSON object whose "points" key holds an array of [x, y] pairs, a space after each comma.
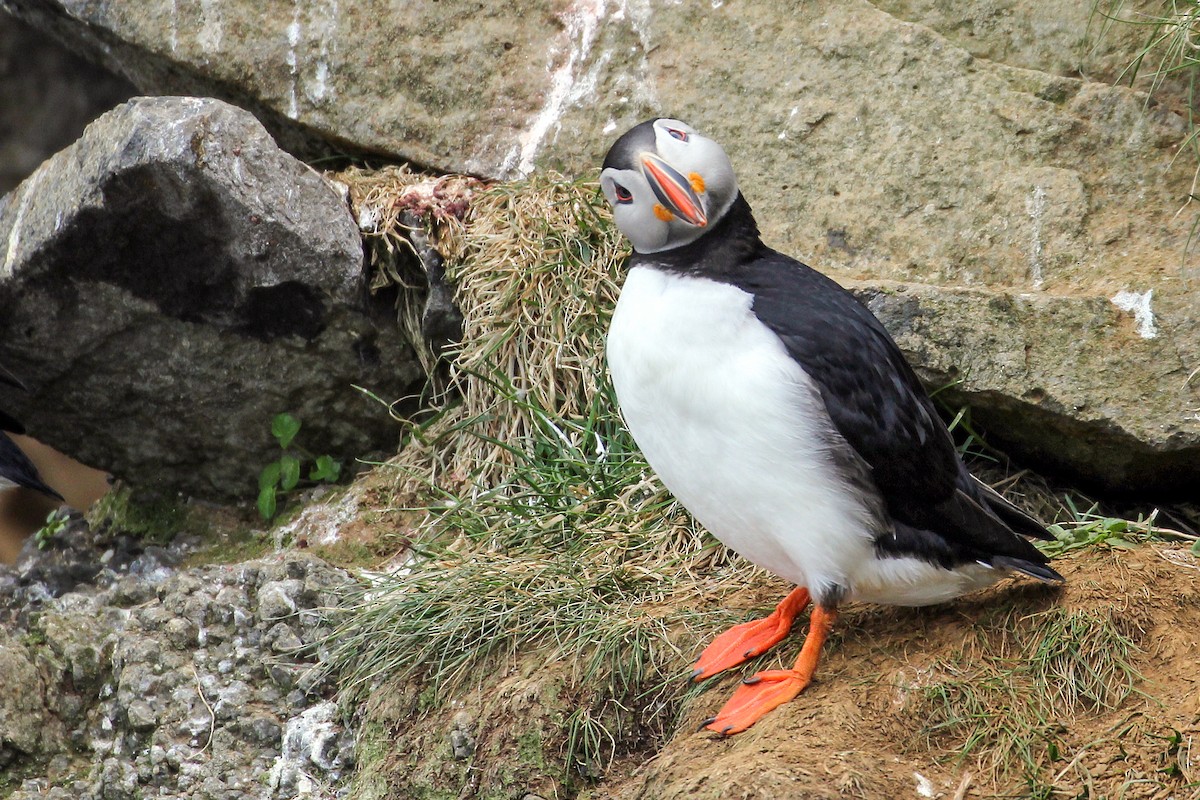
{"points": [[535, 266]]}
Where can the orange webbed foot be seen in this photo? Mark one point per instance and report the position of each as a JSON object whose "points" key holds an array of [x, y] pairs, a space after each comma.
{"points": [[750, 639], [761, 693], [755, 698]]}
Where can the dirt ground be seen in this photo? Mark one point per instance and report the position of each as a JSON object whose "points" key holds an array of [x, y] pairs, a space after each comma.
{"points": [[856, 733]]}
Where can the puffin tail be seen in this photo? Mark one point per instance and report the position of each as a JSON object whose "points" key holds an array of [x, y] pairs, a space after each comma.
{"points": [[17, 469], [8, 422], [9, 379], [1042, 572]]}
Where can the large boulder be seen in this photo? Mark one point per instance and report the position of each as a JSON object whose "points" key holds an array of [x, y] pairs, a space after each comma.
{"points": [[1062, 380], [171, 282], [497, 88]]}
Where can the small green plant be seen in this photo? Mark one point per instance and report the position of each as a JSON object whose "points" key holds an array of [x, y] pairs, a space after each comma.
{"points": [[284, 475], [152, 520], [968, 440], [56, 523], [1087, 528]]}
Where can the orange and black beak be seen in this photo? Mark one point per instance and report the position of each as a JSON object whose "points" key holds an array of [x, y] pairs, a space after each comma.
{"points": [[676, 192]]}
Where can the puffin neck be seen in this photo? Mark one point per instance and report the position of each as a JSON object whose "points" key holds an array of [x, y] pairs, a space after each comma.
{"points": [[733, 241]]}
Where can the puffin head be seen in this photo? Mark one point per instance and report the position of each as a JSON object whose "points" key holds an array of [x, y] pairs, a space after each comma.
{"points": [[667, 183]]}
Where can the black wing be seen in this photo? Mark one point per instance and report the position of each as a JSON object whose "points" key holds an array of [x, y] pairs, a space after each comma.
{"points": [[16, 468], [8, 422], [873, 397], [881, 409]]}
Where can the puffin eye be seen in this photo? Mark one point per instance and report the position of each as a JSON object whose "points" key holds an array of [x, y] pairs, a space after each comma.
{"points": [[623, 194], [678, 134]]}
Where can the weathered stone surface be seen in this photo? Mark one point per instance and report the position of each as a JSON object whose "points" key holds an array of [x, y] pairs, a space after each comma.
{"points": [[1070, 383], [22, 708], [491, 88], [364, 75], [171, 282], [1062, 37]]}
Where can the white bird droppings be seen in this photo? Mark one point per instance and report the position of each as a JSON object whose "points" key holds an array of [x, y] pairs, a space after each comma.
{"points": [[582, 22], [924, 785], [1138, 304], [576, 68], [1035, 205]]}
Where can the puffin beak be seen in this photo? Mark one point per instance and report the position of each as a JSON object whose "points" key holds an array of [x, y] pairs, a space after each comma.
{"points": [[674, 191]]}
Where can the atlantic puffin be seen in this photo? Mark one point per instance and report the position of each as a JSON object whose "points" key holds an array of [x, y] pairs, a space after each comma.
{"points": [[781, 414], [15, 467]]}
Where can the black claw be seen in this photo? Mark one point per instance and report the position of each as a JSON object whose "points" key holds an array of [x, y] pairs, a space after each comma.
{"points": [[725, 731], [753, 679], [706, 723], [696, 673]]}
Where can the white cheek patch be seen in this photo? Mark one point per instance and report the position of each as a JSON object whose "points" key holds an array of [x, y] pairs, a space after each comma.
{"points": [[647, 233]]}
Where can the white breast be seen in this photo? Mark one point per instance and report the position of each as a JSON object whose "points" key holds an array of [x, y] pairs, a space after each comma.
{"points": [[734, 427]]}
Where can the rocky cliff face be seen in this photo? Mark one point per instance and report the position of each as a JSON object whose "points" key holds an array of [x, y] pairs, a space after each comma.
{"points": [[980, 150]]}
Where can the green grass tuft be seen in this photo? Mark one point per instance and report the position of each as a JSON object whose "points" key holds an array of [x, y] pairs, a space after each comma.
{"points": [[579, 555], [1005, 700], [1170, 52]]}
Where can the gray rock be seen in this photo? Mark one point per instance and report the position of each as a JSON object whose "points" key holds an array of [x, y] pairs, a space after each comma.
{"points": [[181, 633], [284, 675], [1068, 382], [231, 700], [462, 741], [158, 717], [277, 599], [77, 553], [263, 731], [282, 639], [118, 780], [171, 282], [23, 714], [311, 739], [141, 716]]}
